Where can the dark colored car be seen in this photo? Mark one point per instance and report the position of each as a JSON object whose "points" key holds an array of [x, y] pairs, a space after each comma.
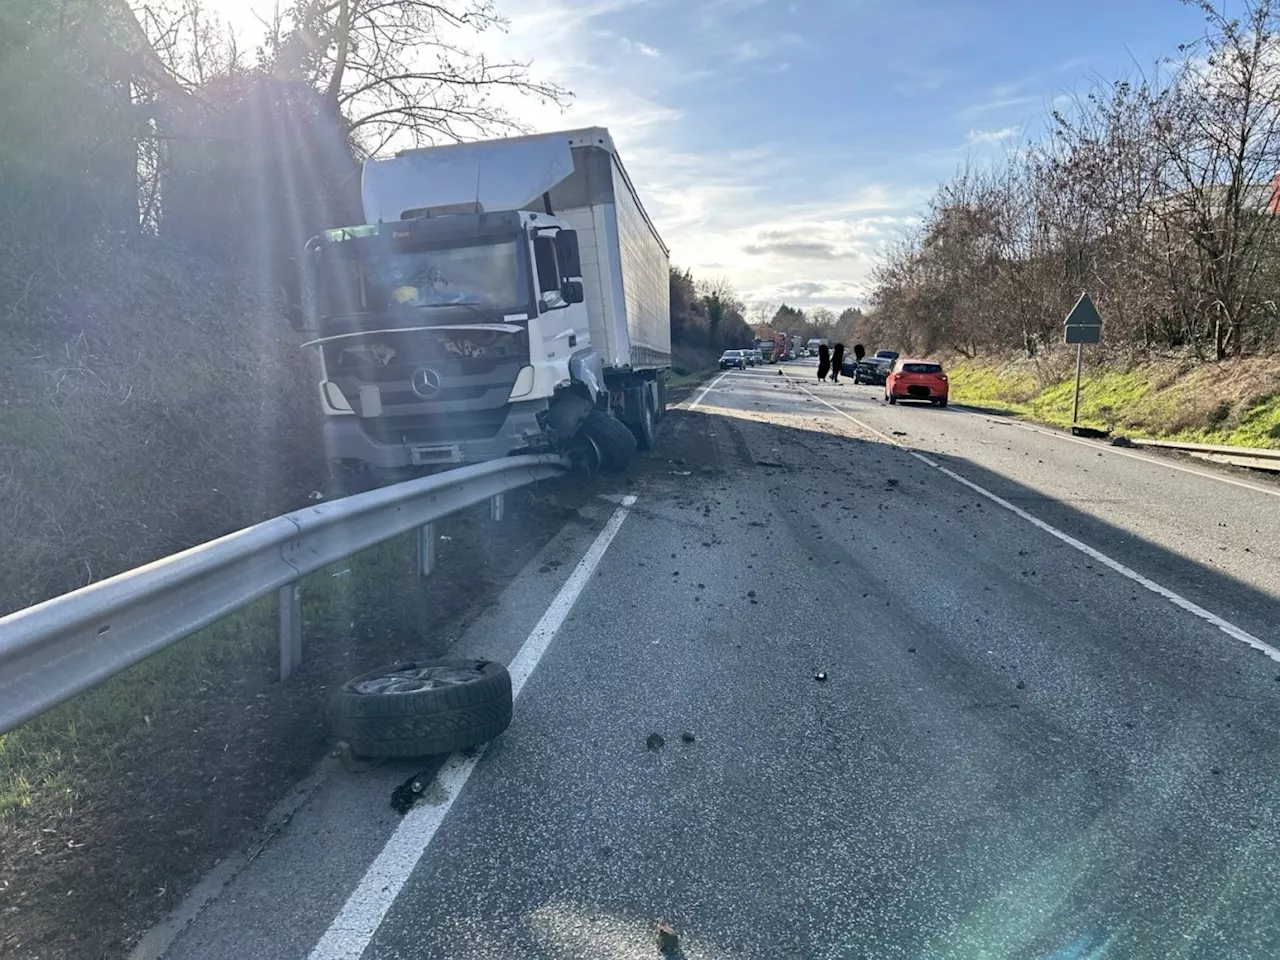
{"points": [[733, 358], [872, 370], [890, 355]]}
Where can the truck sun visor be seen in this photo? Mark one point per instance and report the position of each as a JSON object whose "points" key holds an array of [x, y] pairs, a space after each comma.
{"points": [[501, 175]]}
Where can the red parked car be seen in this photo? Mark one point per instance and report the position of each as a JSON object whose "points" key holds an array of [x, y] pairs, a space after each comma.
{"points": [[916, 380]]}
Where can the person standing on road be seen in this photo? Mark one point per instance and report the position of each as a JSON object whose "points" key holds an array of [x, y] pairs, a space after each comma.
{"points": [[824, 361], [837, 358]]}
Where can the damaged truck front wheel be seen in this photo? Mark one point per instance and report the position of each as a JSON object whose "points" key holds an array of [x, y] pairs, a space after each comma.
{"points": [[616, 443]]}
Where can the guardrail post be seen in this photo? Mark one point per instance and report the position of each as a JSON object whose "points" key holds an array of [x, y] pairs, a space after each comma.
{"points": [[497, 506], [289, 611], [426, 549]]}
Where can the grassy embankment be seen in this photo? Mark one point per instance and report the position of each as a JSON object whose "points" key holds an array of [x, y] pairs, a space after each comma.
{"points": [[1234, 402], [691, 365]]}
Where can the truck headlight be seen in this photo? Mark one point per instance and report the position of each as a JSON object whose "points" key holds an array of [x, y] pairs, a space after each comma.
{"points": [[523, 385]]}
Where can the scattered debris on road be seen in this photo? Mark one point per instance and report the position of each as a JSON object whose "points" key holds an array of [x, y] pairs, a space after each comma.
{"points": [[406, 795], [655, 741], [687, 737], [668, 939], [1090, 433], [820, 676]]}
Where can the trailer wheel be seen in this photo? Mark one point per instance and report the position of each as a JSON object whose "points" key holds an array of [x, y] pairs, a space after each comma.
{"points": [[615, 441], [421, 707], [644, 426], [662, 394]]}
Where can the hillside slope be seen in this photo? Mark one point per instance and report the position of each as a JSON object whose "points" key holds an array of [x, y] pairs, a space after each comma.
{"points": [[1235, 402]]}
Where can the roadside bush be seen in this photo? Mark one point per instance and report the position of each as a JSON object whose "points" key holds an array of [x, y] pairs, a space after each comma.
{"points": [[149, 400]]}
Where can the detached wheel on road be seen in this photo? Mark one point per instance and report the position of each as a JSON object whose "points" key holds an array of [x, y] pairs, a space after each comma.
{"points": [[615, 441], [421, 707]]}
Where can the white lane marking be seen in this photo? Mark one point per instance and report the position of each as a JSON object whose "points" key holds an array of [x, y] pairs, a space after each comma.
{"points": [[1230, 629], [1107, 448], [362, 914], [537, 642], [707, 389]]}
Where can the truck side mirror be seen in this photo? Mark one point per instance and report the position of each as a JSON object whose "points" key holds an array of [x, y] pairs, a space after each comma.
{"points": [[572, 291], [567, 253]]}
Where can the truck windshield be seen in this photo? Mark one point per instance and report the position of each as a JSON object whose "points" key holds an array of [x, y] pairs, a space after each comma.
{"points": [[481, 275]]}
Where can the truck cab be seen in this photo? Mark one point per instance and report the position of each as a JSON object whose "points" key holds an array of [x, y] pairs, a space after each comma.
{"points": [[426, 333]]}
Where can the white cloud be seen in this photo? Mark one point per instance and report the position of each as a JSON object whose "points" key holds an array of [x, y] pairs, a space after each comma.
{"points": [[991, 136], [999, 103]]}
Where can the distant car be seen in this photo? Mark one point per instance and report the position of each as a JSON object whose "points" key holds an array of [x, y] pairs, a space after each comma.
{"points": [[872, 370], [733, 359], [917, 380], [757, 356], [889, 355]]}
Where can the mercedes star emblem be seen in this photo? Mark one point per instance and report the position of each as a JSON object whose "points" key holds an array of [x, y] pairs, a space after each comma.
{"points": [[425, 383]]}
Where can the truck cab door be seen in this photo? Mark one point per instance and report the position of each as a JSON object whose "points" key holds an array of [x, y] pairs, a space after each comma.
{"points": [[560, 296]]}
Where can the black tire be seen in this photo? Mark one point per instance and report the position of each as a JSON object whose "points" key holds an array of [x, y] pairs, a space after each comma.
{"points": [[662, 395], [425, 716], [646, 425], [616, 442], [942, 402]]}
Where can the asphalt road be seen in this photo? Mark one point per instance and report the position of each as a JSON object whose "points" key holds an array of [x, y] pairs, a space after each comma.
{"points": [[1042, 730]]}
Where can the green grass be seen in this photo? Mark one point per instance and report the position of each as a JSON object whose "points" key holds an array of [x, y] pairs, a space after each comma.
{"points": [[1196, 403], [1259, 427]]}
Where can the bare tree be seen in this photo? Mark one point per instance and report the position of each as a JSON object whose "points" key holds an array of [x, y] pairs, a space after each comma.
{"points": [[400, 67], [1158, 195], [1219, 139]]}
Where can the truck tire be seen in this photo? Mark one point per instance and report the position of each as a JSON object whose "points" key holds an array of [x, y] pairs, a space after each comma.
{"points": [[615, 441], [418, 708], [662, 395], [646, 424]]}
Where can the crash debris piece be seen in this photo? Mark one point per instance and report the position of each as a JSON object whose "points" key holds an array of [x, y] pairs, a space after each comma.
{"points": [[668, 939]]}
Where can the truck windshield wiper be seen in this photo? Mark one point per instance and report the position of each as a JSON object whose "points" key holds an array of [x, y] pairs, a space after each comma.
{"points": [[471, 305]]}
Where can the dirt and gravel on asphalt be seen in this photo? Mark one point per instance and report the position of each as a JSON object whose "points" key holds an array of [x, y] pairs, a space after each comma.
{"points": [[123, 799]]}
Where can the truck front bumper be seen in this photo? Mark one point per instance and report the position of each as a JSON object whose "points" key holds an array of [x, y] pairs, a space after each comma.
{"points": [[346, 441]]}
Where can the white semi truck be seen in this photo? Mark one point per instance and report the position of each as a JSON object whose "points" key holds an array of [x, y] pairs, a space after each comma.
{"points": [[503, 297]]}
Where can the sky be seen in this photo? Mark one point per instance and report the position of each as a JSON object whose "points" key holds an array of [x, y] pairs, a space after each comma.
{"points": [[778, 144]]}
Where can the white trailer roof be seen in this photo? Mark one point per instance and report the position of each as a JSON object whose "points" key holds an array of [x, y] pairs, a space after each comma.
{"points": [[505, 174]]}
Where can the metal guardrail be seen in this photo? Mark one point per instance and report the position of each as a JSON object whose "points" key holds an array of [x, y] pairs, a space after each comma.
{"points": [[56, 649], [1253, 453]]}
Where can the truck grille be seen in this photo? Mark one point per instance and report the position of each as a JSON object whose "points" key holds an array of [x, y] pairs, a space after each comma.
{"points": [[426, 389]]}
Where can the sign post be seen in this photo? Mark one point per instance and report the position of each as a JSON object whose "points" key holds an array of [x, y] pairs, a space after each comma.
{"points": [[1083, 325]]}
